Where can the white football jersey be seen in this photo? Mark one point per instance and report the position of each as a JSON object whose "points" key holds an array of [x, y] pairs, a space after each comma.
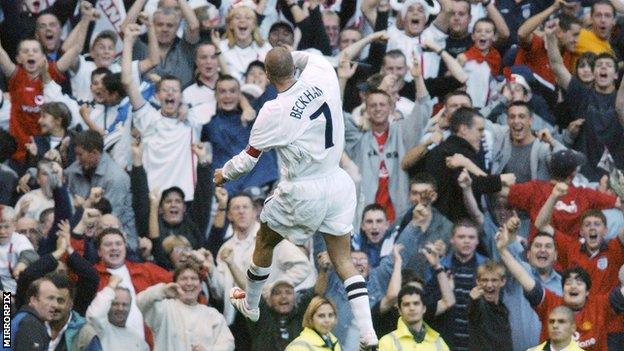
{"points": [[304, 124]]}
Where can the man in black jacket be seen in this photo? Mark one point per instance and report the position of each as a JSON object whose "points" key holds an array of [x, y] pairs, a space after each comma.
{"points": [[28, 326], [467, 126]]}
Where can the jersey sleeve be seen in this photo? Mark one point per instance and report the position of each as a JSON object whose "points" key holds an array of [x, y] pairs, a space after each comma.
{"points": [[315, 67], [268, 131], [145, 117]]}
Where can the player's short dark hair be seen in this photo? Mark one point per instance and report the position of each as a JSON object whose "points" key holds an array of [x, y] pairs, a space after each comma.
{"points": [[166, 77], [594, 213], [172, 190], [59, 111], [105, 232], [89, 140], [424, 178], [522, 104], [112, 83], [407, 290], [457, 93], [580, 272], [372, 207], [464, 116]]}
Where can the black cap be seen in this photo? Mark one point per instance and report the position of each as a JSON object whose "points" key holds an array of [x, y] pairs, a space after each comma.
{"points": [[173, 189], [564, 162], [281, 24]]}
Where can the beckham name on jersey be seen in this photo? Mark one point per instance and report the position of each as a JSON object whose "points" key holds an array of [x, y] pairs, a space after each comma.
{"points": [[303, 101]]}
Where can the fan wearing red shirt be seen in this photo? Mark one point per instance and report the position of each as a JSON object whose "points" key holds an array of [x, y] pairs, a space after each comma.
{"points": [[599, 258], [532, 51], [26, 87], [531, 196], [593, 314]]}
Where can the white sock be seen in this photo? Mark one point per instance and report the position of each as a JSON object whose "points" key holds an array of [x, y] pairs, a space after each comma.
{"points": [[256, 278], [358, 298]]}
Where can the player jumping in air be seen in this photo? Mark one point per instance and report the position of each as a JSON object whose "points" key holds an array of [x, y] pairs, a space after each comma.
{"points": [[305, 125]]}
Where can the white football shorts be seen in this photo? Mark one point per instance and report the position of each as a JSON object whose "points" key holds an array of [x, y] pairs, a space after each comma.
{"points": [[299, 208]]}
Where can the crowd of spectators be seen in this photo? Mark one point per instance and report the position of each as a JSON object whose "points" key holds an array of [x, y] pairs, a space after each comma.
{"points": [[485, 138]]}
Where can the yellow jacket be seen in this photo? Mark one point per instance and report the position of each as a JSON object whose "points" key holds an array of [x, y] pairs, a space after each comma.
{"points": [[309, 340], [572, 347], [402, 340]]}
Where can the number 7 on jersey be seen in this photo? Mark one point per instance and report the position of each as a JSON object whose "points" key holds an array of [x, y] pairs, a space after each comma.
{"points": [[324, 110]]}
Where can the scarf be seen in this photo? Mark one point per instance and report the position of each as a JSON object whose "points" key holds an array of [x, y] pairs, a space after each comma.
{"points": [[493, 58]]}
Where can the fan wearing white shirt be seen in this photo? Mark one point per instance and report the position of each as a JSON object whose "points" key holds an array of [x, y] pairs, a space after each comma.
{"points": [[168, 133], [202, 92], [14, 249], [415, 14]]}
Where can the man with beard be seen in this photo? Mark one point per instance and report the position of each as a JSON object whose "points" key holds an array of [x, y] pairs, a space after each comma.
{"points": [[107, 315]]}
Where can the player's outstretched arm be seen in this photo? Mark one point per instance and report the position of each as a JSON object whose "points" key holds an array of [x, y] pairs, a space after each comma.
{"points": [[239, 165]]}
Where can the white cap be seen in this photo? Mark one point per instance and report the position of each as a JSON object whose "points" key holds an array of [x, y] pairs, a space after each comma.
{"points": [[433, 9], [519, 79]]}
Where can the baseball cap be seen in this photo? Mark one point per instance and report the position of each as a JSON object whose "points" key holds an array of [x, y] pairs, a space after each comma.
{"points": [[279, 282], [173, 189], [518, 79], [281, 24], [564, 162]]}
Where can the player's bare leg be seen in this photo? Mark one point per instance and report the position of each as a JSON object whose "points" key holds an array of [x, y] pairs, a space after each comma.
{"points": [[247, 301], [339, 250]]}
